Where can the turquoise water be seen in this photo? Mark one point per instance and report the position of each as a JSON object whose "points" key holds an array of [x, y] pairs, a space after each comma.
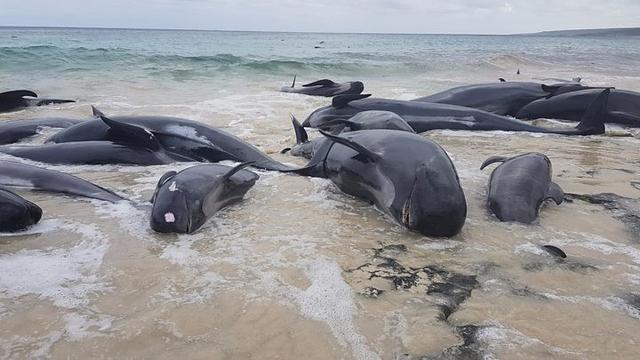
{"points": [[194, 56]]}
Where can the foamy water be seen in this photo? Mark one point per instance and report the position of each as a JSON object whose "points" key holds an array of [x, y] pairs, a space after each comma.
{"points": [[298, 269]]}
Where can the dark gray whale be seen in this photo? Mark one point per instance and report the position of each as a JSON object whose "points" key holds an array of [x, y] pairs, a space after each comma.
{"points": [[520, 185], [422, 116], [18, 175], [407, 176], [18, 99], [17, 213], [16, 130], [503, 98], [366, 120], [623, 107], [325, 87], [184, 138], [184, 201], [91, 153]]}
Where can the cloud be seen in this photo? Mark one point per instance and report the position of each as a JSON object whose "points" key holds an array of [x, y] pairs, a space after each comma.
{"points": [[419, 16]]}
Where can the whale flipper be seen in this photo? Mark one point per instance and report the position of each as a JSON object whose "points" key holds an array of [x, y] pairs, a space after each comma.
{"points": [[555, 192], [555, 251], [491, 160], [131, 134], [323, 82], [341, 101], [364, 154]]}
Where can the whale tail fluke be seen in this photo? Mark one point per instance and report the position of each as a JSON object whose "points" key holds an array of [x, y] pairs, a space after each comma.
{"points": [[592, 122]]}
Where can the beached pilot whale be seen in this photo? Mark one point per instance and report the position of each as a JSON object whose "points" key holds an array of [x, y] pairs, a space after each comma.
{"points": [[18, 99], [405, 175], [623, 107], [422, 116], [325, 87], [17, 213], [24, 176], [502, 98], [520, 185], [131, 145], [180, 137], [184, 201], [16, 130], [366, 120]]}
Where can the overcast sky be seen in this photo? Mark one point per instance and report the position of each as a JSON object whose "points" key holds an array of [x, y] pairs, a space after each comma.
{"points": [[395, 16]]}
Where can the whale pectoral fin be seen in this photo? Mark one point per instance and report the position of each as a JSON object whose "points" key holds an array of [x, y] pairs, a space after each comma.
{"points": [[491, 160], [555, 251], [131, 134], [301, 134], [96, 113], [341, 101], [163, 179], [293, 84], [555, 192], [323, 82], [364, 154]]}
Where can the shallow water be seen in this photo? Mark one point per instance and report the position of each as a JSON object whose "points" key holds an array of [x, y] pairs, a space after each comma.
{"points": [[299, 269]]}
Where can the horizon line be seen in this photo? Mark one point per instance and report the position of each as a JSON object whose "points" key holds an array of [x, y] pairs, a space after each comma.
{"points": [[300, 32]]}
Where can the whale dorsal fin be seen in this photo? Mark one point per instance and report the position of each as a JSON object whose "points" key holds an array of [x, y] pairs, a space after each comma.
{"points": [[551, 89], [237, 168], [131, 134], [502, 80], [595, 115], [555, 192], [364, 154], [491, 160], [330, 124], [293, 84], [163, 179], [96, 112], [323, 82], [341, 101], [301, 134]]}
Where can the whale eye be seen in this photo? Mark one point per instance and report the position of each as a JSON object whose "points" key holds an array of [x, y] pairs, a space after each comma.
{"points": [[169, 217]]}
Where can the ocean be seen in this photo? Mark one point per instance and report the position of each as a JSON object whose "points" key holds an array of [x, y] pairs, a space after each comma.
{"points": [[288, 272]]}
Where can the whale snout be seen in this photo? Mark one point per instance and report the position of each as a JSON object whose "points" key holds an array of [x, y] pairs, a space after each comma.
{"points": [[436, 205], [171, 213]]}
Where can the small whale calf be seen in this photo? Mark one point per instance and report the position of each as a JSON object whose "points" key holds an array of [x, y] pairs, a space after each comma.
{"points": [[19, 99], [183, 201], [520, 185], [325, 87], [17, 213]]}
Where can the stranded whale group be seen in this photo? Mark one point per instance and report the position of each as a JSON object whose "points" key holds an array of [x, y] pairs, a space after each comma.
{"points": [[370, 148]]}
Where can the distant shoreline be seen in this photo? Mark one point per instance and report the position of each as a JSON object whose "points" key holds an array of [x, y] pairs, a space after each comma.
{"points": [[603, 32]]}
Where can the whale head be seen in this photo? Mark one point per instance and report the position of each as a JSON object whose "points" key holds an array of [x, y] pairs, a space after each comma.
{"points": [[173, 211], [436, 204], [17, 213]]}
